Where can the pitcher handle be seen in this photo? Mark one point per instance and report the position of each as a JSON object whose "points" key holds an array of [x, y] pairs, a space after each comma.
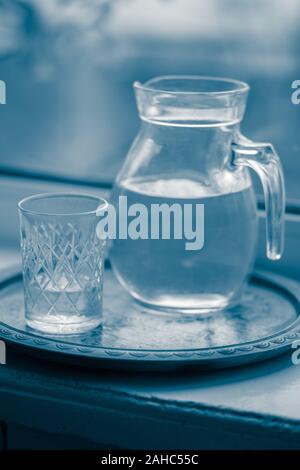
{"points": [[263, 159]]}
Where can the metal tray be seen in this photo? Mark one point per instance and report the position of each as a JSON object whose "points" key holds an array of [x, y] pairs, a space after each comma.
{"points": [[264, 325]]}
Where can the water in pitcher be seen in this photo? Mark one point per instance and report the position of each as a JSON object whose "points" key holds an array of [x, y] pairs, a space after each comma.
{"points": [[164, 273]]}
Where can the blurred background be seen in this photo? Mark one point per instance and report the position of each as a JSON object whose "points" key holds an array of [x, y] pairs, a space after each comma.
{"points": [[69, 67]]}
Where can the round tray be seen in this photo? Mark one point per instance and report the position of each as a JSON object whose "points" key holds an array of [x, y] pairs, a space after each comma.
{"points": [[265, 324]]}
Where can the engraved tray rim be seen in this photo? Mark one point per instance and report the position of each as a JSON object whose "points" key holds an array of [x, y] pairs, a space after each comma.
{"points": [[57, 349]]}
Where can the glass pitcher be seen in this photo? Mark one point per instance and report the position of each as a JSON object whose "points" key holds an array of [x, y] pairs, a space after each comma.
{"points": [[189, 150]]}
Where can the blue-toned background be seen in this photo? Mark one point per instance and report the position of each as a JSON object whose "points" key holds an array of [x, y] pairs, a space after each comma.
{"points": [[69, 119], [69, 68]]}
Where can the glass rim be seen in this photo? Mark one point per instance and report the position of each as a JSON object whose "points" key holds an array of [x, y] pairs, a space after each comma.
{"points": [[103, 204], [238, 86]]}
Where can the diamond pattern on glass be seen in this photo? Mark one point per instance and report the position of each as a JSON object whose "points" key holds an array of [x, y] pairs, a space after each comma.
{"points": [[63, 271]]}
